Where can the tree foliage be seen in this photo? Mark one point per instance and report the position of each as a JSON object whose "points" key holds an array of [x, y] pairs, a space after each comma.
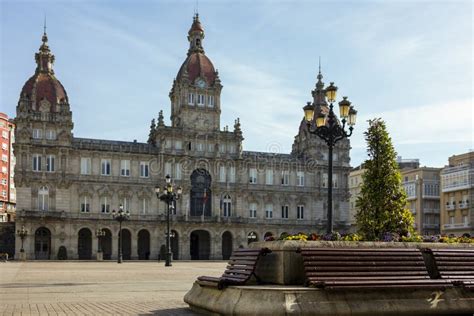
{"points": [[382, 201]]}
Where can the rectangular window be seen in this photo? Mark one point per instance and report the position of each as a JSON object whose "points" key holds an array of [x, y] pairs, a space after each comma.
{"points": [[200, 146], [50, 159], [284, 211], [210, 101], [51, 134], [85, 206], [144, 206], [105, 166], [222, 148], [168, 169], [222, 173], [168, 143], [269, 177], [200, 100], [4, 146], [125, 168], [210, 148], [269, 210], [5, 158], [253, 175], [231, 149], [451, 220], [191, 99], [144, 169], [126, 204], [178, 171], [253, 210], [104, 205], [232, 174], [334, 181], [285, 177], [85, 165], [300, 178], [178, 145], [325, 180], [37, 133], [300, 212], [36, 162]]}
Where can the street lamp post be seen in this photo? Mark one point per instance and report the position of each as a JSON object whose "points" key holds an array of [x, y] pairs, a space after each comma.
{"points": [[120, 216], [329, 129], [99, 233], [22, 233], [169, 197]]}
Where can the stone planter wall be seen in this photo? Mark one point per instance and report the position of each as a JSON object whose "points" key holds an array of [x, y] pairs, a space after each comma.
{"points": [[285, 267]]}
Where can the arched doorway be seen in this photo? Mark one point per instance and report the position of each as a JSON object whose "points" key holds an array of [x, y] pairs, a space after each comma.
{"points": [[252, 237], [175, 244], [201, 194], [106, 244], [42, 243], [143, 245], [226, 245], [84, 244], [126, 244], [200, 245], [268, 236]]}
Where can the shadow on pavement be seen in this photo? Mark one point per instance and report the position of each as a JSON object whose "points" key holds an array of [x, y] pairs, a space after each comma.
{"points": [[171, 312]]}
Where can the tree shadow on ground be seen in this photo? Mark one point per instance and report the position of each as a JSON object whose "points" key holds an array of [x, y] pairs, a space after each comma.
{"points": [[172, 312]]}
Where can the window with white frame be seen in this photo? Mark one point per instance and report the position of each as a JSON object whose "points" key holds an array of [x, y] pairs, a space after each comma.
{"points": [[231, 149], [269, 176], [168, 144], [227, 206], [86, 165], [325, 180], [285, 177], [4, 146], [37, 133], [85, 204], [43, 199], [300, 178], [144, 206], [253, 210], [125, 168], [300, 212], [178, 145], [200, 146], [451, 220], [4, 181], [210, 101], [191, 99], [268, 210], [105, 166], [253, 175], [50, 161], [168, 169], [178, 171], [232, 174], [284, 211], [222, 148], [126, 204], [200, 100], [335, 180], [105, 204], [36, 162], [51, 134], [144, 169], [210, 148], [4, 169], [221, 173], [4, 193]]}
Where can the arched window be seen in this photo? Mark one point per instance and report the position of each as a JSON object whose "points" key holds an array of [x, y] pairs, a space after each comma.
{"points": [[43, 199], [252, 237], [201, 194], [227, 206]]}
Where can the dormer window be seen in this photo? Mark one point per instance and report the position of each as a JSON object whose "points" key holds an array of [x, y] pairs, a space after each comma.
{"points": [[191, 99]]}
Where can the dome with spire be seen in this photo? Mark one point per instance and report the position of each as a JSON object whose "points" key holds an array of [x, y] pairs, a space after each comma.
{"points": [[43, 90], [197, 64]]}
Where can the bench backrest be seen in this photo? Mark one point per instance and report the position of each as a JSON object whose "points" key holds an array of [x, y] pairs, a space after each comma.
{"points": [[454, 263], [333, 264], [242, 264]]}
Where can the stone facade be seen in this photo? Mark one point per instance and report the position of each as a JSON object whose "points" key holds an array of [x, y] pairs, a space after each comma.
{"points": [[68, 186]]}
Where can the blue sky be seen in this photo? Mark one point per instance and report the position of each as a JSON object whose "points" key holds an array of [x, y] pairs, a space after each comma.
{"points": [[409, 62]]}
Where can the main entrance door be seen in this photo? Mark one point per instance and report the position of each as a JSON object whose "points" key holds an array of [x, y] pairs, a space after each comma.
{"points": [[42, 243]]}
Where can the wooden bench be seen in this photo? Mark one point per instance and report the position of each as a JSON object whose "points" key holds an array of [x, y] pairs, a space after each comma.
{"points": [[353, 268], [455, 265], [239, 270]]}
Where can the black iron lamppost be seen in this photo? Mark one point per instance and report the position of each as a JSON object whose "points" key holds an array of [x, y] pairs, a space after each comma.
{"points": [[169, 197], [328, 128], [99, 233], [120, 216], [22, 233]]}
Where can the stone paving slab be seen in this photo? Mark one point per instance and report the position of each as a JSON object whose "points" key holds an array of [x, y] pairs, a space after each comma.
{"points": [[99, 288]]}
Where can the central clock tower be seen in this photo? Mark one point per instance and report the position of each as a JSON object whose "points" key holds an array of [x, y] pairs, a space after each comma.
{"points": [[195, 95]]}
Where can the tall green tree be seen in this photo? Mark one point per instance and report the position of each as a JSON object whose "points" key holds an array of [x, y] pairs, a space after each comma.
{"points": [[382, 201]]}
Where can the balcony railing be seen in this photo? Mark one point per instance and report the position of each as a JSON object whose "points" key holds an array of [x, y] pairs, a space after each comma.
{"points": [[463, 205], [431, 210], [431, 226], [456, 226], [450, 207]]}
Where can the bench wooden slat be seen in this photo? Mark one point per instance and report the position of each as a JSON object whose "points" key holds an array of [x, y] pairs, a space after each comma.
{"points": [[368, 273], [367, 263], [371, 268]]}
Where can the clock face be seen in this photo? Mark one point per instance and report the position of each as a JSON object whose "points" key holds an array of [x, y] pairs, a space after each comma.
{"points": [[201, 83]]}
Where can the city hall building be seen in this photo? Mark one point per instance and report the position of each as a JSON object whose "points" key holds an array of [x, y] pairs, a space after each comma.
{"points": [[67, 186]]}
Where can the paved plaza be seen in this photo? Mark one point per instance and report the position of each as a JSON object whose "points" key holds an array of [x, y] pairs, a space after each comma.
{"points": [[99, 288]]}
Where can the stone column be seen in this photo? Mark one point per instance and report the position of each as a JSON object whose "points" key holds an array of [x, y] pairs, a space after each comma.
{"points": [[216, 247], [154, 243], [184, 245], [115, 240], [134, 244]]}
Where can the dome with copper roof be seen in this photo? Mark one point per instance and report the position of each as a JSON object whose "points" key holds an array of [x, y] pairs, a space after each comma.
{"points": [[43, 85], [197, 64]]}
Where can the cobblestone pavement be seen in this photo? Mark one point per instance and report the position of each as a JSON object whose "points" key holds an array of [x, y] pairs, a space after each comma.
{"points": [[99, 288]]}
